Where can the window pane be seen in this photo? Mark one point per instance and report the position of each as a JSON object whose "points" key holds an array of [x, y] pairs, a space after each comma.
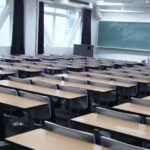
{"points": [[61, 27], [60, 30], [73, 18], [2, 5], [48, 21], [5, 33], [48, 24]]}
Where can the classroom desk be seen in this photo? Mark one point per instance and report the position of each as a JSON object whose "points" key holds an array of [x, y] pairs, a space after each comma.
{"points": [[92, 66], [115, 83], [72, 84], [120, 126], [48, 69], [19, 68], [117, 77], [50, 58], [104, 66], [54, 69], [89, 88], [4, 74], [25, 69], [32, 59], [29, 71], [20, 102], [69, 96], [11, 59], [134, 72], [40, 90], [143, 111], [74, 68], [131, 63], [41, 139]]}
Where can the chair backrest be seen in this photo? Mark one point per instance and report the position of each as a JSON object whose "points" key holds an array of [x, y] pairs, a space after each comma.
{"points": [[99, 77], [97, 71], [51, 76], [102, 85], [142, 77], [19, 80], [34, 96], [120, 74], [37, 97], [148, 120], [9, 69], [140, 101], [84, 136], [36, 67], [44, 84], [73, 89], [117, 145], [60, 66], [19, 65], [125, 80], [8, 91], [75, 80], [119, 115], [77, 73]]}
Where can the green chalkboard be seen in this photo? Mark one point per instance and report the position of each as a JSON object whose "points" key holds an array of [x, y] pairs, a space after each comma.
{"points": [[127, 35]]}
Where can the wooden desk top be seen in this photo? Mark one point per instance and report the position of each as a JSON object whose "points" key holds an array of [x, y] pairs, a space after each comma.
{"points": [[117, 125], [26, 69], [72, 66], [41, 90], [47, 67], [92, 65], [20, 102], [115, 83], [3, 72], [20, 68], [135, 108], [72, 84], [41, 139]]}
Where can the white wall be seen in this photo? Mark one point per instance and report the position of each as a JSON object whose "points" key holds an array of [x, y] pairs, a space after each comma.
{"points": [[119, 53]]}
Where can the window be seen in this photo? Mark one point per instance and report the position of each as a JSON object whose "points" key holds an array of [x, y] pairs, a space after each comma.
{"points": [[62, 27], [6, 17]]}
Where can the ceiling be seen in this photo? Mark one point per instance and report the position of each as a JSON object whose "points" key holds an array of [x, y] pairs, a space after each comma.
{"points": [[123, 1], [126, 2], [140, 6]]}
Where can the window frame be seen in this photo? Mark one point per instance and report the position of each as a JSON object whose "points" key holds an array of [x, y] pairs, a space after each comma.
{"points": [[61, 6]]}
